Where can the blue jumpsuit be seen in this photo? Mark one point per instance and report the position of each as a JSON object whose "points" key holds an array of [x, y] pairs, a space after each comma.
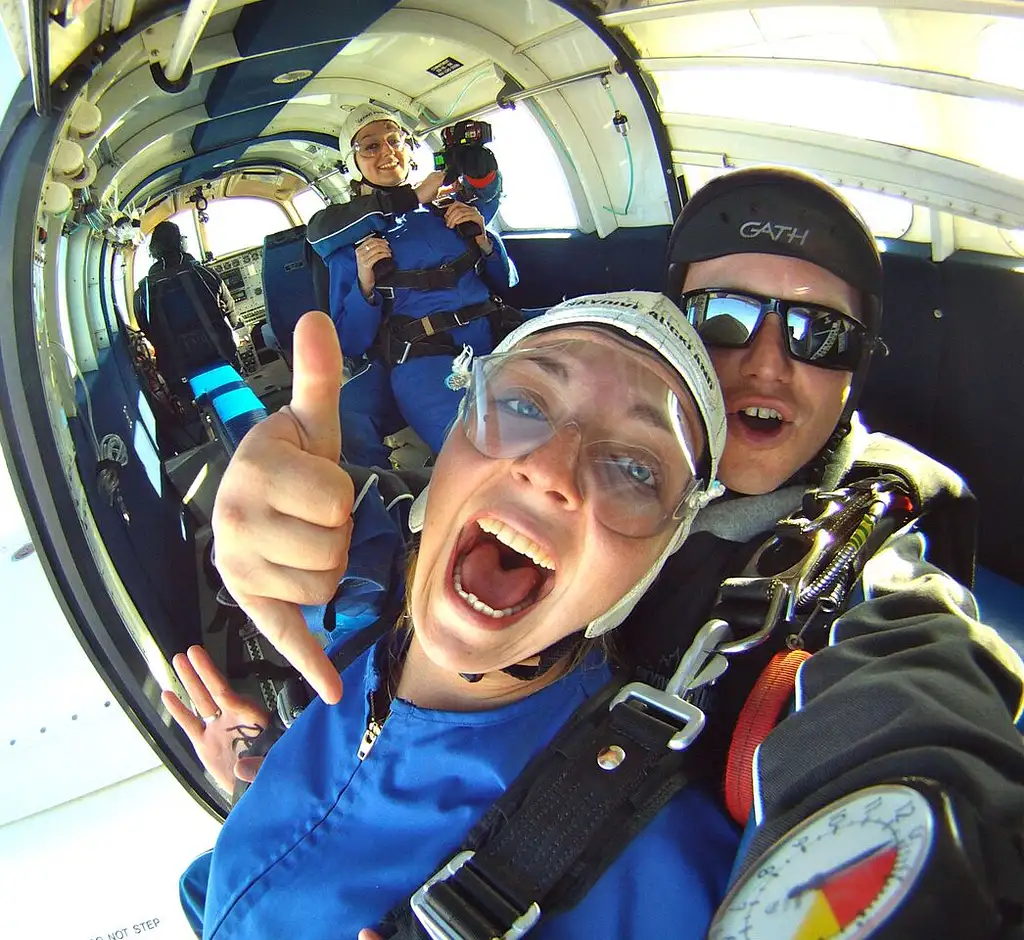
{"points": [[377, 401], [324, 844]]}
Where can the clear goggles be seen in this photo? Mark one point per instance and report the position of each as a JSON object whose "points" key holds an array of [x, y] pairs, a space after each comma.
{"points": [[819, 336], [372, 146], [634, 446]]}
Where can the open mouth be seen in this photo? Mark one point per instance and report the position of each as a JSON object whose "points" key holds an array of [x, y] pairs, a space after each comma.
{"points": [[766, 421], [499, 572]]}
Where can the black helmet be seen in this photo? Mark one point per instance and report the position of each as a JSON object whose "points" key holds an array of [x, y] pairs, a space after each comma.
{"points": [[166, 240], [771, 210]]}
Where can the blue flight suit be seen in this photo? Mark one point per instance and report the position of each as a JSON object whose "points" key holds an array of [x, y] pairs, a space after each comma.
{"points": [[323, 844], [377, 401]]}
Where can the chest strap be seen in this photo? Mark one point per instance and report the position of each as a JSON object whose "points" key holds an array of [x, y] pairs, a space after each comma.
{"points": [[571, 812], [402, 338], [443, 277], [407, 330]]}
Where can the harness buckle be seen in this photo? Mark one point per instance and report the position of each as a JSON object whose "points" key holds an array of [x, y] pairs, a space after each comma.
{"points": [[388, 293], [405, 354], [454, 913], [701, 663]]}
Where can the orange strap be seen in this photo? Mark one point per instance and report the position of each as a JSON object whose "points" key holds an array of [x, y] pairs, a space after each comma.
{"points": [[759, 715]]}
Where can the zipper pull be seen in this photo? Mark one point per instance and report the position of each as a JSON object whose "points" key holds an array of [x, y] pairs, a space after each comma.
{"points": [[370, 735]]}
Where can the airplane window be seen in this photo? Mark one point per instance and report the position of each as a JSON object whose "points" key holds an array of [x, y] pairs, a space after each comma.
{"points": [[536, 195], [121, 300], [308, 203], [886, 216], [10, 73], [1015, 240], [242, 222]]}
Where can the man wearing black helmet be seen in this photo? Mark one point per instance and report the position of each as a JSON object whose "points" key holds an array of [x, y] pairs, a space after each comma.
{"points": [[784, 283]]}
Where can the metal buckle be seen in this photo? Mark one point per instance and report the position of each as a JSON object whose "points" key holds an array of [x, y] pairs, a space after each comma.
{"points": [[701, 663], [780, 597], [690, 715], [436, 925], [405, 354], [388, 292]]}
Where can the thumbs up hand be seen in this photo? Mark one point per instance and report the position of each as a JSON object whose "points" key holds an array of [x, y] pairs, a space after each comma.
{"points": [[282, 521]]}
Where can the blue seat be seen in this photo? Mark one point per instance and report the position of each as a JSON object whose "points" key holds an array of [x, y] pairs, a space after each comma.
{"points": [[1001, 602], [233, 406], [287, 282]]}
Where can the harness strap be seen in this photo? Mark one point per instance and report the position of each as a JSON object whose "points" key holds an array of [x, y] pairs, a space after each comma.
{"points": [[228, 355], [406, 330], [528, 856], [444, 277], [759, 715], [402, 338]]}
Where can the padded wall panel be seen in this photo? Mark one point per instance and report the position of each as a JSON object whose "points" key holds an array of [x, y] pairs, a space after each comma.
{"points": [[156, 564], [980, 405], [900, 394], [550, 269], [240, 129], [274, 25]]}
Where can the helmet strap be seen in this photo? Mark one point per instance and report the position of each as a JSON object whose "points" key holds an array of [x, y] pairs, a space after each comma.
{"points": [[555, 653]]}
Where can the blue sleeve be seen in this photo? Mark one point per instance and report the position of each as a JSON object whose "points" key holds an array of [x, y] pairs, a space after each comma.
{"points": [[499, 272], [343, 225], [376, 554], [485, 198], [356, 319], [192, 888]]}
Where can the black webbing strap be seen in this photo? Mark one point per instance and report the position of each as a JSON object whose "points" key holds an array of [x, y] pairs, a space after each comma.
{"points": [[554, 832], [443, 277], [228, 355], [405, 330]]}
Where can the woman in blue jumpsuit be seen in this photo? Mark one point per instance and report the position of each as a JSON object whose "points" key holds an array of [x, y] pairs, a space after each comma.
{"points": [[571, 475], [404, 384]]}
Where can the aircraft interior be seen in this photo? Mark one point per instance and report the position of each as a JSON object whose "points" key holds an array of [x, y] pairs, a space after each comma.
{"points": [[606, 115]]}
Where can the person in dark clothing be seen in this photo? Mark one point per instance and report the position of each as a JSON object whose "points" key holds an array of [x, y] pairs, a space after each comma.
{"points": [[184, 309]]}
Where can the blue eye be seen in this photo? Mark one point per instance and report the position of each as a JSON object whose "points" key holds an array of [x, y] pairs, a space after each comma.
{"points": [[522, 408], [638, 475]]}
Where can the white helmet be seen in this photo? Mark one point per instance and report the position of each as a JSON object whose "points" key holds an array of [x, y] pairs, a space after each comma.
{"points": [[357, 119], [651, 320]]}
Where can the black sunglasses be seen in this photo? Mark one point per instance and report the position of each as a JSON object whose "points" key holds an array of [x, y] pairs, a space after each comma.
{"points": [[819, 336]]}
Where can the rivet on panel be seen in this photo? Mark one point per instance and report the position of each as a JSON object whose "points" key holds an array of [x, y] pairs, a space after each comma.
{"points": [[611, 757]]}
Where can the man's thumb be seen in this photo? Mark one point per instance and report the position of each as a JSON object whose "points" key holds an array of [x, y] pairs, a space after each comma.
{"points": [[316, 383]]}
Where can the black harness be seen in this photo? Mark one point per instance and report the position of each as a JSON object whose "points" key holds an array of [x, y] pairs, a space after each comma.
{"points": [[403, 338]]}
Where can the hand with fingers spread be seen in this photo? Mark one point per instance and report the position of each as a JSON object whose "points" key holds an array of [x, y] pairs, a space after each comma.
{"points": [[368, 253], [282, 521], [227, 723]]}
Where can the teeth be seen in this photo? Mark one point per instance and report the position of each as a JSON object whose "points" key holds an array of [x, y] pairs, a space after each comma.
{"points": [[756, 412], [478, 604], [517, 542]]}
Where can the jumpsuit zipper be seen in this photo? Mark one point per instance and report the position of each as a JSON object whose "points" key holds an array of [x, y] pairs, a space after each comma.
{"points": [[374, 727]]}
